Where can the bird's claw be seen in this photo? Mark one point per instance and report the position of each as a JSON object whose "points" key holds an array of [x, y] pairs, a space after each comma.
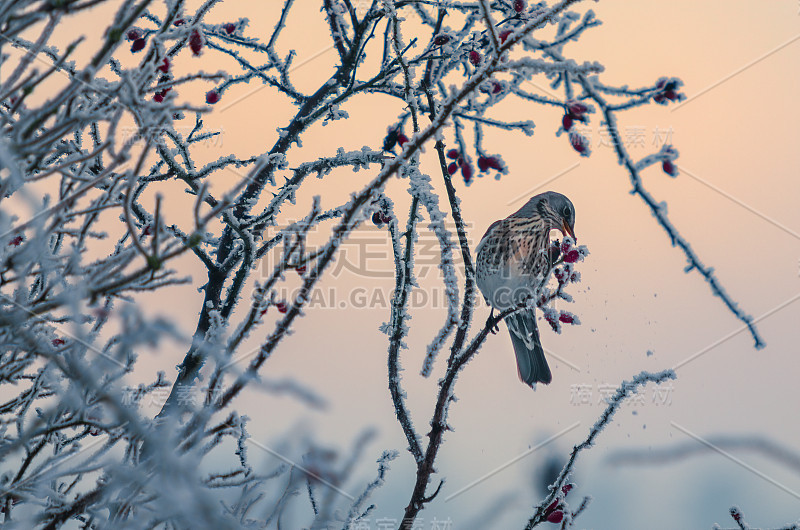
{"points": [[493, 328]]}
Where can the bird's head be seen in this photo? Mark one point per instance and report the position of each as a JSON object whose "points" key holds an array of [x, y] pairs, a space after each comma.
{"points": [[555, 209]]}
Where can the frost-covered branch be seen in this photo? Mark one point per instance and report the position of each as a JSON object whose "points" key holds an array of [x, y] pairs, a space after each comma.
{"points": [[559, 488], [88, 223]]}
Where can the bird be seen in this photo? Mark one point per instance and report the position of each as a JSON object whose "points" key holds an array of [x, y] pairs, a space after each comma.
{"points": [[512, 260]]}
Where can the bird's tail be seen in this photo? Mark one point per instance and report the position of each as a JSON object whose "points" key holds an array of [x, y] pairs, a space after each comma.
{"points": [[531, 364]]}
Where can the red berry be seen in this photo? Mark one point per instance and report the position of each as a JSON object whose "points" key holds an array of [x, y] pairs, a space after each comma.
{"points": [[452, 168], [133, 34], [566, 122], [441, 40], [566, 488], [391, 139], [566, 318], [504, 35], [572, 256], [147, 230], [282, 307], [164, 66], [667, 90], [59, 342], [466, 172], [179, 22], [301, 269], [474, 58], [212, 96], [496, 87], [669, 168], [159, 96], [452, 153], [196, 42], [401, 139], [17, 241], [385, 218], [519, 6], [229, 28], [555, 517], [377, 220], [576, 108], [494, 163], [489, 162], [138, 45], [579, 143]]}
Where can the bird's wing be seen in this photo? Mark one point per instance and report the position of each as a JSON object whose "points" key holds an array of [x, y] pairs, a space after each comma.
{"points": [[486, 237]]}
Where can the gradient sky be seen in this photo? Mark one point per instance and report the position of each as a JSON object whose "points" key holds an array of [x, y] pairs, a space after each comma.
{"points": [[735, 200]]}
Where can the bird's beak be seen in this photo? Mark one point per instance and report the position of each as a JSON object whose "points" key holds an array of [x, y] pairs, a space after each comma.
{"points": [[567, 230]]}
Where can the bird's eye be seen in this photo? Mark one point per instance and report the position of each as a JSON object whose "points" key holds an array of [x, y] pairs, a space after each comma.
{"points": [[567, 212]]}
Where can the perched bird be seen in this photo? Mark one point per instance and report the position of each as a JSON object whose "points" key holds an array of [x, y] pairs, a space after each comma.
{"points": [[513, 257]]}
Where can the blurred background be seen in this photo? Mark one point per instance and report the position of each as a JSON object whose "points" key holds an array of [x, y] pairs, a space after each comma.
{"points": [[735, 201]]}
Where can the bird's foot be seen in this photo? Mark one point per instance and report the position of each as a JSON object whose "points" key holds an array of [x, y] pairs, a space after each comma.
{"points": [[493, 328]]}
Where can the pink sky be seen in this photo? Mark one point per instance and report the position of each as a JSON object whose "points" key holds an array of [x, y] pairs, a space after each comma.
{"points": [[735, 201]]}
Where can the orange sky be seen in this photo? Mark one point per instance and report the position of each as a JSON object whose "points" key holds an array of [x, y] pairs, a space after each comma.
{"points": [[735, 201]]}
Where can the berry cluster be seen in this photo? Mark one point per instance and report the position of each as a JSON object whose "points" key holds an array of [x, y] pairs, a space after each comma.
{"points": [[159, 96], [379, 219], [564, 255], [667, 90], [485, 163], [394, 136], [196, 43], [139, 41], [576, 111], [555, 512], [459, 163]]}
